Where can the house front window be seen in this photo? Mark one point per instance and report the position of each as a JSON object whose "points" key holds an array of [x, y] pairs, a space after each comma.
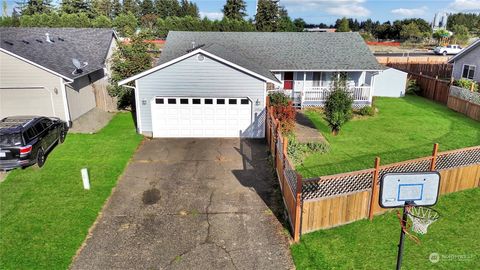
{"points": [[468, 72], [317, 79]]}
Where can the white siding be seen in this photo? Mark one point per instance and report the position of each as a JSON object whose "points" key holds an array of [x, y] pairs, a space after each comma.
{"points": [[19, 76], [390, 83], [207, 78]]}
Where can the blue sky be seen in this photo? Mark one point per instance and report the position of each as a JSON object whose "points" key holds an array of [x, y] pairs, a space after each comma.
{"points": [[327, 11]]}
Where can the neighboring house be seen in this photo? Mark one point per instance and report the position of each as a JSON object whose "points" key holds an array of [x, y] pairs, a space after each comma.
{"points": [[38, 77], [466, 64], [214, 84]]}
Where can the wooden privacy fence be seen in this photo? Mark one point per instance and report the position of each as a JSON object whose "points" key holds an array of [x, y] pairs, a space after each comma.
{"points": [[432, 87], [335, 200], [290, 180], [442, 70], [464, 101], [385, 60]]}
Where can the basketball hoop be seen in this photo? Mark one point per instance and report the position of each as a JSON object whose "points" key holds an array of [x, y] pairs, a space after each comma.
{"points": [[422, 217]]}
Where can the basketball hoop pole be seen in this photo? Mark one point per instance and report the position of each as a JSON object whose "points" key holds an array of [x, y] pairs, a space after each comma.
{"points": [[402, 237]]}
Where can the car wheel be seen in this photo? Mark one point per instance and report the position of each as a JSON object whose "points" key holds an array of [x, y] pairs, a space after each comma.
{"points": [[62, 136], [444, 53], [40, 158]]}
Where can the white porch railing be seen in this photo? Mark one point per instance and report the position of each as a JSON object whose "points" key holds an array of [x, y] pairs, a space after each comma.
{"points": [[359, 93]]}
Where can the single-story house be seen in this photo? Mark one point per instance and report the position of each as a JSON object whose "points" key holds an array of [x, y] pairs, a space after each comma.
{"points": [[467, 62], [53, 71], [214, 84]]}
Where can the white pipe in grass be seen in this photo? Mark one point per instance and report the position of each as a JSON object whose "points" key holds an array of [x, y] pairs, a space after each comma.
{"points": [[85, 179]]}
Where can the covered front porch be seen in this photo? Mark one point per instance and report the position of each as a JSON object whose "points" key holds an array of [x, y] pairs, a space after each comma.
{"points": [[311, 88]]}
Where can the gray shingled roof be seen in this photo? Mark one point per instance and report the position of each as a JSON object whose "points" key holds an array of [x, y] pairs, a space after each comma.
{"points": [[85, 44], [262, 51]]}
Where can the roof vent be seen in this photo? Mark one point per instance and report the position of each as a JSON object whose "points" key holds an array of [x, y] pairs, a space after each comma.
{"points": [[194, 48], [38, 40], [78, 66], [8, 42], [61, 39], [26, 42], [47, 38]]}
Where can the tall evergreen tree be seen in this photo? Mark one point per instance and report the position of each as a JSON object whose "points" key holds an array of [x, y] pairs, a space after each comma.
{"points": [[235, 9], [76, 6], [188, 8], [167, 8], [342, 25], [130, 6], [116, 8], [31, 7], [146, 7], [267, 15], [102, 7]]}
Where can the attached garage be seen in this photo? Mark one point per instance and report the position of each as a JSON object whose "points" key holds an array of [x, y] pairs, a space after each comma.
{"points": [[26, 101], [200, 117]]}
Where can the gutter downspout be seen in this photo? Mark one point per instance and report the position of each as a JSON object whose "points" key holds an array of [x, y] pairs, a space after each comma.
{"points": [[137, 106], [65, 101]]}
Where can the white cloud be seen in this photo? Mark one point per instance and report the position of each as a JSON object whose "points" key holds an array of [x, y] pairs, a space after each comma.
{"points": [[410, 12], [465, 5], [349, 8], [212, 15]]}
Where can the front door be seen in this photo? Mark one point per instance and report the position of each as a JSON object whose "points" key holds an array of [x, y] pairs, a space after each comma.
{"points": [[288, 80]]}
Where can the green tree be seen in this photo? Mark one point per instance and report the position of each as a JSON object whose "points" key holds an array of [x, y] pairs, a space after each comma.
{"points": [[167, 8], [125, 24], [285, 24], [460, 34], [343, 25], [130, 6], [267, 15], [76, 6], [102, 7], [128, 60], [31, 7], [411, 32], [102, 21], [147, 7], [116, 8], [338, 106], [188, 8], [235, 9], [299, 24]]}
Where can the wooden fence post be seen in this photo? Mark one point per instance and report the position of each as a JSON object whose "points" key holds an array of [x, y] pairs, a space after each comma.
{"points": [[298, 209], [472, 87], [374, 195], [434, 157]]}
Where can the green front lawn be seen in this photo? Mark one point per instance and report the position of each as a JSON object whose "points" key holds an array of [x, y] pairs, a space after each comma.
{"points": [[373, 245], [404, 128], [45, 213]]}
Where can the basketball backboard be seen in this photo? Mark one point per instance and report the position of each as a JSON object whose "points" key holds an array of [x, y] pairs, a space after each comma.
{"points": [[420, 189]]}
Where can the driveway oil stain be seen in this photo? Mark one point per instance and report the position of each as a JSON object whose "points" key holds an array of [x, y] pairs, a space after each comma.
{"points": [[151, 196]]}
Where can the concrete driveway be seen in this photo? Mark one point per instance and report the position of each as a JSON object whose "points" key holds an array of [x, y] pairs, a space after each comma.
{"points": [[191, 204]]}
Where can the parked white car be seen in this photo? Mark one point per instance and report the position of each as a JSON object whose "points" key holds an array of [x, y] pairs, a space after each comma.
{"points": [[450, 49]]}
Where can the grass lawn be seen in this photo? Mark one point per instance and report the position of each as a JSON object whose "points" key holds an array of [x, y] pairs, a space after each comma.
{"points": [[404, 128], [373, 245], [45, 213]]}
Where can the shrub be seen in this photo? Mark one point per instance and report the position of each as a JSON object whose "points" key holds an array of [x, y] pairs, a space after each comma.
{"points": [[467, 84], [338, 106], [367, 111], [285, 114], [297, 151], [278, 99], [412, 88]]}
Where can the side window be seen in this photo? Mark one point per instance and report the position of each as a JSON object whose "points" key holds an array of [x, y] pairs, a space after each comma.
{"points": [[39, 127], [47, 123], [30, 134]]}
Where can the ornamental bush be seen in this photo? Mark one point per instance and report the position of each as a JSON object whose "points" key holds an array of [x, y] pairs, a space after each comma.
{"points": [[466, 83], [338, 106], [278, 99]]}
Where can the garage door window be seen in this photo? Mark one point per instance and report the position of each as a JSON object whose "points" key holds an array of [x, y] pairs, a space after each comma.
{"points": [[232, 101], [184, 101], [221, 101], [172, 101], [159, 100], [244, 101], [208, 101]]}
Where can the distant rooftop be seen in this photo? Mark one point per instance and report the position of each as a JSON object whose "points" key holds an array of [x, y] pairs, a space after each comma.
{"points": [[54, 48]]}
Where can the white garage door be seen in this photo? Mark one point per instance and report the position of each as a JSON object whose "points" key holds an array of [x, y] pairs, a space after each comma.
{"points": [[26, 101], [200, 117]]}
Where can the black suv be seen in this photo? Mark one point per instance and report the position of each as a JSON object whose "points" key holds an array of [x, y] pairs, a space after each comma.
{"points": [[25, 140]]}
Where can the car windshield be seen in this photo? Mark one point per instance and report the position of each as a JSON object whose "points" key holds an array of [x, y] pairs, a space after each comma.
{"points": [[10, 139]]}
